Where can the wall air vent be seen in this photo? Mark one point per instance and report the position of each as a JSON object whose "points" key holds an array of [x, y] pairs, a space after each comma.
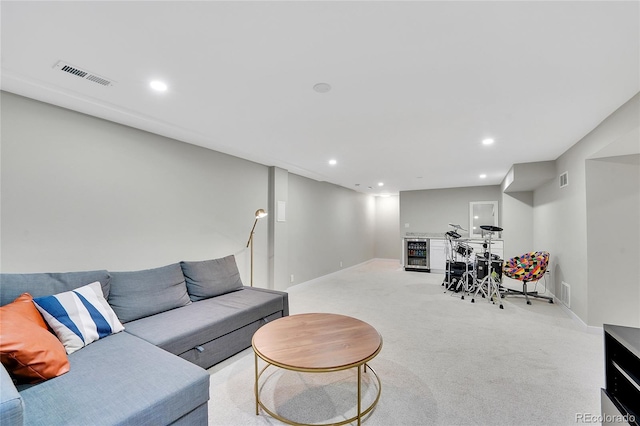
{"points": [[84, 74], [564, 179], [565, 294]]}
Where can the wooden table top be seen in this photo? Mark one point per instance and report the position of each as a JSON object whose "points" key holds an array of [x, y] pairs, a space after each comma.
{"points": [[317, 342]]}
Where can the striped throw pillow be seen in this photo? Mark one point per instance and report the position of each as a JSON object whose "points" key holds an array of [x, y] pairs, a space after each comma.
{"points": [[79, 317]]}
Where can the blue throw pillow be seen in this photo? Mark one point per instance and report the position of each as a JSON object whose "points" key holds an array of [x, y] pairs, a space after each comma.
{"points": [[79, 317]]}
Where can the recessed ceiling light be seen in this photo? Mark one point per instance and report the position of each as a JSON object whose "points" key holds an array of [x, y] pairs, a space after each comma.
{"points": [[158, 85], [487, 141], [482, 176], [322, 87], [333, 162], [380, 183]]}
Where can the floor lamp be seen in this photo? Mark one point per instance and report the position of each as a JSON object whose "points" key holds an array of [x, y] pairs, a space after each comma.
{"points": [[260, 213]]}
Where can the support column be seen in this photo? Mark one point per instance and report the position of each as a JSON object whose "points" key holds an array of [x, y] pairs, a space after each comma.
{"points": [[278, 237]]}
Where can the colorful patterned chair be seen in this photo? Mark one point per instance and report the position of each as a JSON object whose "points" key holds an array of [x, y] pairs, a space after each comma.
{"points": [[527, 268]]}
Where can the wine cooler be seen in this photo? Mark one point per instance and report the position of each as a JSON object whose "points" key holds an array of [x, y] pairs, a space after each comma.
{"points": [[416, 254]]}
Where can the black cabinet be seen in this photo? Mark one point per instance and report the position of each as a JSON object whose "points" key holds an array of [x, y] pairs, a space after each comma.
{"points": [[622, 375]]}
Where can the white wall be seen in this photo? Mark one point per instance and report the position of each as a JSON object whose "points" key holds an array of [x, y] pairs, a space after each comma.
{"points": [[517, 221], [431, 210], [560, 214], [81, 193], [613, 233], [327, 224], [387, 228]]}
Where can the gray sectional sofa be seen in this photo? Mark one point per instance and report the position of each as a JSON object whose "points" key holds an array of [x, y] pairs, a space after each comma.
{"points": [[178, 320]]}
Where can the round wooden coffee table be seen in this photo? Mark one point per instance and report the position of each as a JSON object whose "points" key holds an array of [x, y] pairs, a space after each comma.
{"points": [[317, 343]]}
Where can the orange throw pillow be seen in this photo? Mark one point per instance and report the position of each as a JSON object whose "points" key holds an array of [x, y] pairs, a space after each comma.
{"points": [[28, 350]]}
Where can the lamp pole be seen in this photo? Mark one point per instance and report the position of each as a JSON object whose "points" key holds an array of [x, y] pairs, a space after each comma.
{"points": [[260, 213]]}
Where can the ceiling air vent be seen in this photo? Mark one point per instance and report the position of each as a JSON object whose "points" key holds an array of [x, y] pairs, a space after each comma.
{"points": [[84, 74]]}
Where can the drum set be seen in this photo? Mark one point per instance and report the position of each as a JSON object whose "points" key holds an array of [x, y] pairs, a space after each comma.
{"points": [[473, 274]]}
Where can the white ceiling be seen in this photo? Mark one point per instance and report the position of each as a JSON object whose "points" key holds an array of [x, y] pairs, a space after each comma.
{"points": [[415, 85]]}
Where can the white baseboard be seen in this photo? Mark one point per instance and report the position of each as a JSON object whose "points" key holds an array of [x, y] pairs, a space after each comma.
{"points": [[586, 328], [385, 260], [339, 271]]}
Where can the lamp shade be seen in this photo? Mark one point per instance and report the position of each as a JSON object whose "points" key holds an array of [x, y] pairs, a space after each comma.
{"points": [[260, 213]]}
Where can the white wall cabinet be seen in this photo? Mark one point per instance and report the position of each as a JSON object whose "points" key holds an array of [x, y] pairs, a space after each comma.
{"points": [[438, 255]]}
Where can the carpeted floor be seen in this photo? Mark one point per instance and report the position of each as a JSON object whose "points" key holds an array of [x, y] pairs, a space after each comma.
{"points": [[445, 361]]}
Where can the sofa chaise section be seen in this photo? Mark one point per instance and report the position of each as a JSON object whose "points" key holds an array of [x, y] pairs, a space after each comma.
{"points": [[11, 403], [120, 379]]}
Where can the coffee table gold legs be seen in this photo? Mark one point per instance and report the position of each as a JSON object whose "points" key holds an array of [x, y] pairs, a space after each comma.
{"points": [[358, 417], [359, 393], [255, 388]]}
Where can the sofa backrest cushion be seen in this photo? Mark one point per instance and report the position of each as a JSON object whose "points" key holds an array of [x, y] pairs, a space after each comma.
{"points": [[138, 294], [28, 350], [46, 284], [209, 278]]}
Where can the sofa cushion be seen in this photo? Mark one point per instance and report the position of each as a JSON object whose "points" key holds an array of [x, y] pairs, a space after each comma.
{"points": [[211, 278], [45, 284], [120, 379], [79, 317], [182, 329], [138, 294], [29, 352]]}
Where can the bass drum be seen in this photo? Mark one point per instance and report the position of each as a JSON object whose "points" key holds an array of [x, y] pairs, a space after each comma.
{"points": [[482, 268]]}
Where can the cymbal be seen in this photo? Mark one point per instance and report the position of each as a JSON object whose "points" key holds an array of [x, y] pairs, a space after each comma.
{"points": [[454, 226], [491, 228]]}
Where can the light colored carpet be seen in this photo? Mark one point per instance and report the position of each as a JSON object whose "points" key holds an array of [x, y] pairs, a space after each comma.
{"points": [[445, 361]]}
